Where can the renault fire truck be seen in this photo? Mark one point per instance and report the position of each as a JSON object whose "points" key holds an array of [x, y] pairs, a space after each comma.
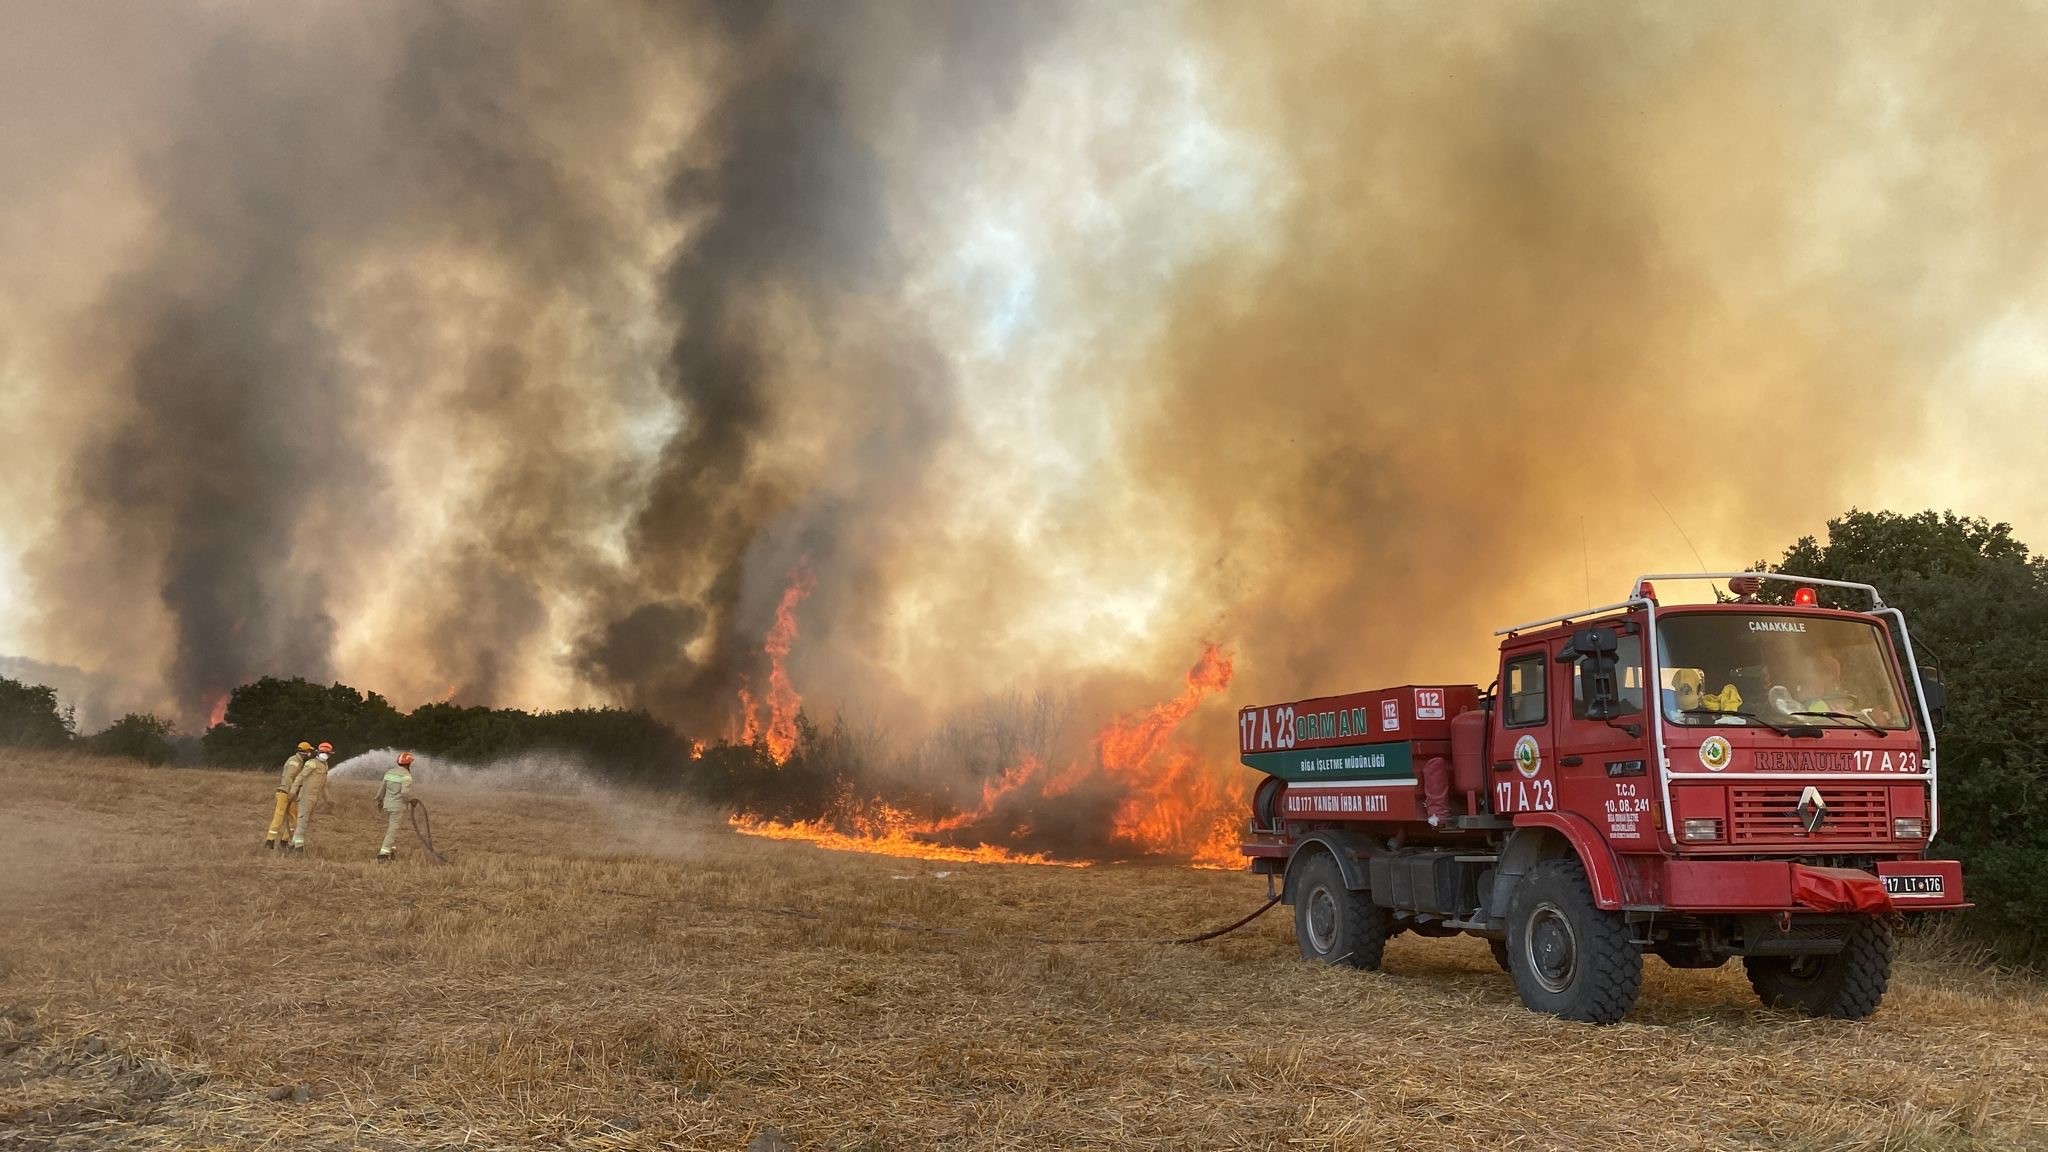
{"points": [[1751, 777]]}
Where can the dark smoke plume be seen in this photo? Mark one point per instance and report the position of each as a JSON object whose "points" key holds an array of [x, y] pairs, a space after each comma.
{"points": [[789, 181], [218, 427], [366, 228]]}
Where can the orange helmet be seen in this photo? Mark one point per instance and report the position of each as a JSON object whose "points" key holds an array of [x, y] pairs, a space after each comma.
{"points": [[405, 759], [326, 747]]}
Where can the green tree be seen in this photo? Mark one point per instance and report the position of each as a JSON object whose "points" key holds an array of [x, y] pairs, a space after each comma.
{"points": [[265, 720], [30, 718], [1977, 603], [143, 737]]}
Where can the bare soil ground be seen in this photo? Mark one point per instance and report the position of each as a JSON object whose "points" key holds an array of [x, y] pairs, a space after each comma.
{"points": [[610, 972]]}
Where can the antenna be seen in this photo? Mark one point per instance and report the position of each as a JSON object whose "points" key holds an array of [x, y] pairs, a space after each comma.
{"points": [[1681, 529], [1586, 554]]}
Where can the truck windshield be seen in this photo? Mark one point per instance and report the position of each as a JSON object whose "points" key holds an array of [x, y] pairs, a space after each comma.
{"points": [[1729, 667]]}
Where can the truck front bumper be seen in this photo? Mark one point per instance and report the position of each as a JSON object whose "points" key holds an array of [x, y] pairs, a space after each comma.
{"points": [[1785, 886]]}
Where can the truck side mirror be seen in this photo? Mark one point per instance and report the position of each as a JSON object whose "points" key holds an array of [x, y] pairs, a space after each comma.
{"points": [[1594, 642], [1595, 650], [1936, 694]]}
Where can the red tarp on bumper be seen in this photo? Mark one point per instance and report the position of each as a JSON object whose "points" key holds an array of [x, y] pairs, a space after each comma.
{"points": [[1838, 890]]}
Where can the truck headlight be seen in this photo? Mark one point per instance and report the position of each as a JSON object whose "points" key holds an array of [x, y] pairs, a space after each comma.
{"points": [[1909, 828], [1701, 830]]}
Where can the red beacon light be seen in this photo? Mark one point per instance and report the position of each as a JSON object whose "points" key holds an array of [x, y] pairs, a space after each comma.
{"points": [[1805, 598], [1647, 591]]}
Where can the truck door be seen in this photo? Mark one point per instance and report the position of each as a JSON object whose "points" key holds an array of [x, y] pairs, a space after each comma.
{"points": [[1603, 766], [1524, 770]]}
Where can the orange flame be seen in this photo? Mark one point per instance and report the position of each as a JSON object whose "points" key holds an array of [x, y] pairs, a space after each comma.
{"points": [[889, 832], [749, 728], [1171, 803], [783, 702], [219, 712]]}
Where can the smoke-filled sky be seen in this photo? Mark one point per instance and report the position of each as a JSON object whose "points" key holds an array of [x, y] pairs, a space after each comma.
{"points": [[522, 353]]}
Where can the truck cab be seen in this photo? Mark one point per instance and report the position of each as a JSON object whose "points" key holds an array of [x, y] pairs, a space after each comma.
{"points": [[1751, 777]]}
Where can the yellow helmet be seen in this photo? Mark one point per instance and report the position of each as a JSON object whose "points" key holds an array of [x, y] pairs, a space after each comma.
{"points": [[305, 747], [1686, 686]]}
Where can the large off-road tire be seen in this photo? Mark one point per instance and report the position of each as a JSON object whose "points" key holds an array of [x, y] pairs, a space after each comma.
{"points": [[1847, 985], [1332, 923], [1569, 958]]}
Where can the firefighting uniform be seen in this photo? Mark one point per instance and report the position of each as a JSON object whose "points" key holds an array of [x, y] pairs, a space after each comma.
{"points": [[312, 785], [394, 795], [282, 815]]}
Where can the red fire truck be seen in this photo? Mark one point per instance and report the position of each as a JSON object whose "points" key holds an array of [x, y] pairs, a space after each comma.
{"points": [[1751, 777]]}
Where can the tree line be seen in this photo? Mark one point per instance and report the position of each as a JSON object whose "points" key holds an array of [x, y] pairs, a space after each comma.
{"points": [[1976, 599], [264, 720]]}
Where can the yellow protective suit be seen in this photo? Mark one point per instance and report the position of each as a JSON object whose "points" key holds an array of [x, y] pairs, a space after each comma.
{"points": [[283, 814], [310, 787], [395, 796]]}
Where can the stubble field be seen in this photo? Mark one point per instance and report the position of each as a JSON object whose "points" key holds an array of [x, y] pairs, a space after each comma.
{"points": [[604, 971]]}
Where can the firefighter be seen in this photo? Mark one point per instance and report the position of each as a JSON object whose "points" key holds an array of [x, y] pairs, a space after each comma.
{"points": [[395, 797], [311, 787], [282, 814], [1823, 682]]}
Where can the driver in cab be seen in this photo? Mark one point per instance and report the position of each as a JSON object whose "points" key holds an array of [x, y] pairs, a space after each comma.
{"points": [[1817, 693]]}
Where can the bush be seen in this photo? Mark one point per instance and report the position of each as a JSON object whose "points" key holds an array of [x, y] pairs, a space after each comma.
{"points": [[745, 777], [628, 745], [30, 718], [145, 737], [266, 720]]}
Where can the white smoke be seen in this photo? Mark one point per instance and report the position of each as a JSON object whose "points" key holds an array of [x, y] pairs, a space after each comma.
{"points": [[559, 772], [607, 818]]}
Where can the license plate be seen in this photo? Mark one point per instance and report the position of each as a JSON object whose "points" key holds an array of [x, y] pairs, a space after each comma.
{"points": [[1914, 886]]}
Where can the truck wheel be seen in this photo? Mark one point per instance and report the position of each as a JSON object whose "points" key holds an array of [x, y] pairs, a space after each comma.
{"points": [[1846, 985], [1332, 923], [1568, 957]]}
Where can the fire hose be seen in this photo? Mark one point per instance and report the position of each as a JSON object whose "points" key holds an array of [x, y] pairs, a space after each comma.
{"points": [[416, 811], [1037, 938], [1033, 937], [1198, 938], [1227, 929]]}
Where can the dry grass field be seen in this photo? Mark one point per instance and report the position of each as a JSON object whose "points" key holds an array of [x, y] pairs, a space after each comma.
{"points": [[599, 972]]}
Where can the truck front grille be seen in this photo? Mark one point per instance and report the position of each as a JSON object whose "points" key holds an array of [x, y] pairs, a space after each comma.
{"points": [[1771, 814]]}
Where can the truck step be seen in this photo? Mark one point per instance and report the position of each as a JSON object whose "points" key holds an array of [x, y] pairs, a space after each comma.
{"points": [[1493, 859], [1474, 925]]}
